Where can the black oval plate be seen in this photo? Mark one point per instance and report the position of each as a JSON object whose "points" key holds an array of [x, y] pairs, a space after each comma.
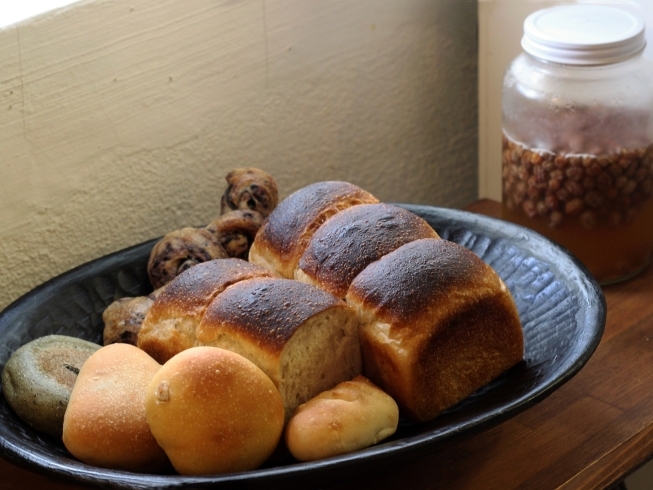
{"points": [[562, 310]]}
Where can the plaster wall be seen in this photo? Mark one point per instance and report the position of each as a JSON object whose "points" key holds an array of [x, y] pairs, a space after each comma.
{"points": [[120, 118]]}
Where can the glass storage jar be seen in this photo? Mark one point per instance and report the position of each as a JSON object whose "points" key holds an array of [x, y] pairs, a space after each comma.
{"points": [[577, 157]]}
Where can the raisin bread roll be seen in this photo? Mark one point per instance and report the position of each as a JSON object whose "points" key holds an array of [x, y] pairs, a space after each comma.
{"points": [[180, 250], [170, 324], [282, 239], [437, 323], [354, 238], [303, 338]]}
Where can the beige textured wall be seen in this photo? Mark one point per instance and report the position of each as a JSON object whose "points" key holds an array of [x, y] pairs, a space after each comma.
{"points": [[119, 119]]}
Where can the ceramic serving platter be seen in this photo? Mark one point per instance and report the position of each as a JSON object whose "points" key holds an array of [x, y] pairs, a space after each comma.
{"points": [[561, 307]]}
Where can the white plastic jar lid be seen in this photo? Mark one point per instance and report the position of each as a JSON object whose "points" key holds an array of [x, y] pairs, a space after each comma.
{"points": [[583, 35]]}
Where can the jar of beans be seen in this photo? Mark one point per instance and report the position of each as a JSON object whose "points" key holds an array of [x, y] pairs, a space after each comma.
{"points": [[577, 156]]}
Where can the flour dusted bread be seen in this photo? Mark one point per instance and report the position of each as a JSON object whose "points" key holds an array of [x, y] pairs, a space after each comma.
{"points": [[354, 238], [303, 338], [437, 323], [170, 324], [282, 239], [105, 424], [213, 411], [352, 416]]}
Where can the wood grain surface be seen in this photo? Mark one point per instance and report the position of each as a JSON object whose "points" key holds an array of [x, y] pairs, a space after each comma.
{"points": [[589, 434]]}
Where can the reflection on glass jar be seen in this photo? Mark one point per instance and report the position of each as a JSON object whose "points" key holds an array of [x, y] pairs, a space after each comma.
{"points": [[577, 155]]}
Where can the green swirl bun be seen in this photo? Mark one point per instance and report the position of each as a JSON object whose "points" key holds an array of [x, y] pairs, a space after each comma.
{"points": [[39, 377]]}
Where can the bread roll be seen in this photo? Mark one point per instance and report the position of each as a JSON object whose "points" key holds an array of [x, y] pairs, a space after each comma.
{"points": [[354, 238], [303, 338], [249, 189], [437, 323], [235, 231], [213, 411], [282, 239], [180, 250], [352, 416], [123, 319], [170, 324], [39, 377], [105, 422]]}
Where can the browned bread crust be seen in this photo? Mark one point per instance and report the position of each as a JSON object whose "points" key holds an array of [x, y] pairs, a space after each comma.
{"points": [[303, 338], [437, 324], [170, 324], [282, 239], [354, 238]]}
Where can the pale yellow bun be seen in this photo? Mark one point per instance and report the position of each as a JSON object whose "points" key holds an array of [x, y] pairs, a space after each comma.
{"points": [[104, 424], [352, 416], [213, 411], [437, 323]]}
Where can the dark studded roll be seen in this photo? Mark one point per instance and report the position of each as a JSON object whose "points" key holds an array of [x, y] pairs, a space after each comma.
{"points": [[354, 238], [303, 338], [437, 323], [170, 324], [281, 241]]}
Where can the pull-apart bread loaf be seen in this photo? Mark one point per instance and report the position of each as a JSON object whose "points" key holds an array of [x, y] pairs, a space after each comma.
{"points": [[170, 324], [354, 238], [437, 323], [303, 338], [281, 241]]}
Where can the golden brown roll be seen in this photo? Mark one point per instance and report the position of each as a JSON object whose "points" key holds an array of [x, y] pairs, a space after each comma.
{"points": [[352, 416], [437, 323], [282, 239], [303, 338], [250, 189], [213, 411], [170, 324], [105, 424], [354, 238], [179, 250], [236, 230]]}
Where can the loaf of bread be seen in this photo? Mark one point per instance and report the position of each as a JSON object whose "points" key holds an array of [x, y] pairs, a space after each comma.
{"points": [[354, 238], [105, 424], [352, 416], [213, 411], [282, 239], [170, 324], [303, 338], [437, 323]]}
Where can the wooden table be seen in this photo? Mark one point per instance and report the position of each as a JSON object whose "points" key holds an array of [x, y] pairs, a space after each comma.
{"points": [[589, 434]]}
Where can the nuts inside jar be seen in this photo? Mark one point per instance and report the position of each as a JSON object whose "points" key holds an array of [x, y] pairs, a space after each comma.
{"points": [[593, 190]]}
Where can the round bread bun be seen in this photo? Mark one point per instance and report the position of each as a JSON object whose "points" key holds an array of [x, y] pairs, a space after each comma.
{"points": [[352, 416], [213, 411], [105, 423], [39, 377]]}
